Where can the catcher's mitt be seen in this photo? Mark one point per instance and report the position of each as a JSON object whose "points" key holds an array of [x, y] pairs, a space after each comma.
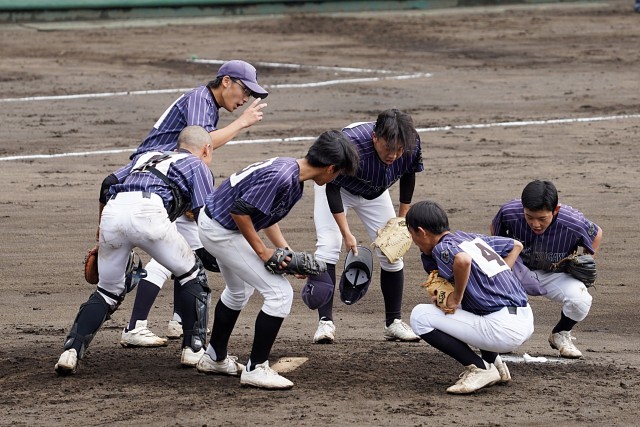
{"points": [[296, 263], [393, 239], [582, 267], [441, 289], [91, 266]]}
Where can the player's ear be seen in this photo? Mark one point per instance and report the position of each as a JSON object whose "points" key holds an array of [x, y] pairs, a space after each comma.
{"points": [[556, 210]]}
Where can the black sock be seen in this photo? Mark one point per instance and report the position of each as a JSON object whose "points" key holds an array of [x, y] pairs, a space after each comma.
{"points": [[488, 356], [224, 320], [266, 331], [146, 294], [565, 324], [326, 311], [392, 284], [453, 347]]}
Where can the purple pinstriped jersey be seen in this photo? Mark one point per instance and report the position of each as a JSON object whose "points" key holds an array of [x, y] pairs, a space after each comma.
{"points": [[374, 176], [192, 176], [484, 294], [272, 186], [569, 231], [195, 108]]}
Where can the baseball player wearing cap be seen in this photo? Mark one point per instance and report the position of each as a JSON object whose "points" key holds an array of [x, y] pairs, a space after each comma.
{"points": [[253, 199], [235, 82], [157, 187], [492, 312], [549, 233], [389, 150]]}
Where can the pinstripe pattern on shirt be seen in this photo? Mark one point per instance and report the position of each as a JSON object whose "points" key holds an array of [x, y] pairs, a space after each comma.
{"points": [[483, 294], [195, 108], [272, 189], [570, 230], [187, 171], [373, 176]]}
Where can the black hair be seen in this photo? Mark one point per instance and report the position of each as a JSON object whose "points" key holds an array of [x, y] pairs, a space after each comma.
{"points": [[334, 148], [540, 195], [215, 83], [429, 215], [397, 129]]}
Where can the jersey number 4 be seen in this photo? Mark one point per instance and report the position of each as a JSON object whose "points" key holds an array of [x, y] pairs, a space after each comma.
{"points": [[484, 256]]}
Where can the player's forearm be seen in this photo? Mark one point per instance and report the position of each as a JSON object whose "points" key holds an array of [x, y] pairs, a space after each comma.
{"points": [[274, 234], [461, 273], [596, 242], [220, 137], [403, 209], [245, 225], [343, 225], [511, 258]]}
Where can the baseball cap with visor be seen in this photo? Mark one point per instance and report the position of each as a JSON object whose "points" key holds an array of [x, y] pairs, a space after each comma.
{"points": [[246, 73]]}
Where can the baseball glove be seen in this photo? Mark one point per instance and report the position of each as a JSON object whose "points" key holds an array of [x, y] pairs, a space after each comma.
{"points": [[393, 239], [582, 267], [91, 266], [441, 289], [296, 263]]}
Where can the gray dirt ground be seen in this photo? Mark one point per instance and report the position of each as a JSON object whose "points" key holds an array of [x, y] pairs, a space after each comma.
{"points": [[524, 64]]}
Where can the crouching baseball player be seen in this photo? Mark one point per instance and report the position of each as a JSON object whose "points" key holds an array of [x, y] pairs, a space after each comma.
{"points": [[250, 200], [487, 306], [158, 187]]}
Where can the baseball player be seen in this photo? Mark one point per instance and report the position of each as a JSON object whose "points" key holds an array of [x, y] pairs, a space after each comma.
{"points": [[157, 188], [253, 199], [550, 232], [235, 83], [389, 150], [491, 308]]}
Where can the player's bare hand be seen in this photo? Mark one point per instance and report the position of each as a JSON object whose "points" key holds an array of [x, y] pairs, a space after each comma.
{"points": [[253, 112], [351, 243]]}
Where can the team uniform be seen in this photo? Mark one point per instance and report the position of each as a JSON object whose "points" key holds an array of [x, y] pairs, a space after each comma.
{"points": [[494, 315], [569, 230], [140, 213], [266, 191], [368, 195], [196, 107]]}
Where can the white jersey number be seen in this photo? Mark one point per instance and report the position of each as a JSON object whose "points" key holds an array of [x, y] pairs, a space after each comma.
{"points": [[484, 256], [236, 177]]}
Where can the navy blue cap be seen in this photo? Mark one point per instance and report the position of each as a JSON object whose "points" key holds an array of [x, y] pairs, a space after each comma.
{"points": [[356, 276]]}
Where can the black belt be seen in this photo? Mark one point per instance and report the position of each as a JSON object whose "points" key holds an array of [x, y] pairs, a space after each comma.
{"points": [[207, 211], [145, 194], [512, 310]]}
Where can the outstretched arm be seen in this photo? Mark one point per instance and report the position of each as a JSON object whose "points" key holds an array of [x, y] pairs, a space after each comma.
{"points": [[251, 115]]}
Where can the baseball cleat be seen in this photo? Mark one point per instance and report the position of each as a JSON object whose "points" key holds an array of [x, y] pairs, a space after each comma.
{"points": [[325, 334], [399, 331], [505, 375], [190, 358], [141, 336], [474, 378], [262, 376], [563, 342], [228, 366], [174, 330], [67, 363]]}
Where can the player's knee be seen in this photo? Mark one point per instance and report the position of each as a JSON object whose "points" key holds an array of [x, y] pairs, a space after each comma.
{"points": [[156, 273], [279, 304], [578, 307], [389, 266], [417, 318], [236, 299]]}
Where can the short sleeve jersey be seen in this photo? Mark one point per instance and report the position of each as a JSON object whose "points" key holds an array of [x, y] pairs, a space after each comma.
{"points": [[567, 232], [491, 285], [272, 187], [195, 108], [374, 176], [187, 171]]}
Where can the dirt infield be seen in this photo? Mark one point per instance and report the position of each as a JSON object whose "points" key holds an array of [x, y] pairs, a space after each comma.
{"points": [[501, 96]]}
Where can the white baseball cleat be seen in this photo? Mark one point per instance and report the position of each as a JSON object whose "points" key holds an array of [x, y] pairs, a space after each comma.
{"points": [[174, 330], [262, 376], [141, 336], [67, 363], [325, 334], [190, 358], [563, 342], [474, 378], [399, 331], [228, 366], [505, 375]]}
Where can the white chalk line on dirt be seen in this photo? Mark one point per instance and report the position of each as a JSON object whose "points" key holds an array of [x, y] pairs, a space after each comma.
{"points": [[312, 138], [402, 76]]}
